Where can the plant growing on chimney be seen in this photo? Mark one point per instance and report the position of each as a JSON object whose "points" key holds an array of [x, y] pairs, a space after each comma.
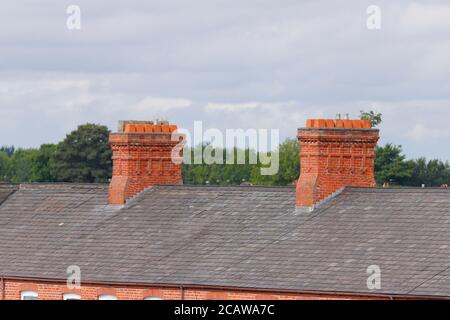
{"points": [[375, 118]]}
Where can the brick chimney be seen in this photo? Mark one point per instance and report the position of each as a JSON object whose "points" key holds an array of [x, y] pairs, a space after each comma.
{"points": [[142, 157], [334, 154]]}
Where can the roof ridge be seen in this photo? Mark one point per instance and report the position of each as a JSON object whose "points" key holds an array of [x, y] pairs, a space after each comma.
{"points": [[193, 186], [9, 185], [67, 185], [401, 188]]}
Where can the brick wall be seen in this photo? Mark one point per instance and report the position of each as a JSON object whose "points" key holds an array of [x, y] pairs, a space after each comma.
{"points": [[54, 291], [334, 154]]}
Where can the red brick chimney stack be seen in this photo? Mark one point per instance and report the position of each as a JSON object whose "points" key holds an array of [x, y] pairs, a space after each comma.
{"points": [[334, 154], [142, 157]]}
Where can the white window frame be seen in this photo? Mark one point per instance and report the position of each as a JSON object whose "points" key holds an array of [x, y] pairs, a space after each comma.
{"points": [[152, 298], [28, 293], [107, 297], [71, 296]]}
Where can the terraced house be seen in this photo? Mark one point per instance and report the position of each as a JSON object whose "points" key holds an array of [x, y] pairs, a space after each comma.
{"points": [[148, 236]]}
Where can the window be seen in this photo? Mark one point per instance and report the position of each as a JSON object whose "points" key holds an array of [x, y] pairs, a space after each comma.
{"points": [[107, 297], [28, 295], [71, 296], [152, 298]]}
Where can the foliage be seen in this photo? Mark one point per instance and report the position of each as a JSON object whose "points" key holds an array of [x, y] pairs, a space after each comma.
{"points": [[83, 156], [289, 166], [9, 150], [432, 173], [5, 163], [21, 165], [196, 171], [232, 173], [391, 166], [42, 163], [375, 118]]}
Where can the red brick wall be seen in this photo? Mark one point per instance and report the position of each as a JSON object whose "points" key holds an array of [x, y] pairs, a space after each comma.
{"points": [[55, 291], [333, 158], [142, 159]]}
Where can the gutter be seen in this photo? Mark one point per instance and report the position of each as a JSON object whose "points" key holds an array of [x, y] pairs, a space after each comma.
{"points": [[184, 287]]}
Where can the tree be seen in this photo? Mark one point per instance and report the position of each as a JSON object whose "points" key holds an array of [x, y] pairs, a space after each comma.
{"points": [[217, 173], [433, 173], [391, 166], [83, 156], [26, 165], [9, 150], [21, 163], [289, 166], [374, 117], [289, 162], [42, 162], [438, 173], [4, 167]]}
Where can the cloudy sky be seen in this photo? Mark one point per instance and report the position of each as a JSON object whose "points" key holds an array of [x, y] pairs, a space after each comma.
{"points": [[232, 64]]}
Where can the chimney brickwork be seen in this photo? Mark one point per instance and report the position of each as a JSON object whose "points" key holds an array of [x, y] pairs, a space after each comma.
{"points": [[334, 154], [142, 157]]}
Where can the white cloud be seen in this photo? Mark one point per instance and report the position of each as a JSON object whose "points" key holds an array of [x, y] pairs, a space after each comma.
{"points": [[236, 107], [250, 64], [423, 133], [43, 108], [211, 107], [285, 116], [159, 105], [426, 18]]}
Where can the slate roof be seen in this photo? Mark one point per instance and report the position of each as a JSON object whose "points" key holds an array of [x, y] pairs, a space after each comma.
{"points": [[5, 191], [249, 237]]}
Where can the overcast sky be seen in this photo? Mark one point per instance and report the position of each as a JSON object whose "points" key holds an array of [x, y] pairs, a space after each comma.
{"points": [[231, 63]]}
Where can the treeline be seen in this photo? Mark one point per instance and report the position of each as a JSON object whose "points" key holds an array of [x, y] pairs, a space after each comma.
{"points": [[235, 173], [391, 166], [85, 156]]}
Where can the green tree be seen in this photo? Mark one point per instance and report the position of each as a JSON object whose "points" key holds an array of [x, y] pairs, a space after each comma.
{"points": [[433, 173], [375, 118], [42, 162], [5, 164], [22, 165], [26, 165], [289, 166], [9, 150], [216, 173], [391, 166], [438, 173], [83, 156], [289, 162]]}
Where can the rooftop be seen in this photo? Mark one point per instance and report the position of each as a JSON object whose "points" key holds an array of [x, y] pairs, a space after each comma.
{"points": [[243, 236]]}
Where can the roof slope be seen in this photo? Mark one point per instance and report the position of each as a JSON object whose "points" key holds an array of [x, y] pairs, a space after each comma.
{"points": [[5, 191], [231, 236]]}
